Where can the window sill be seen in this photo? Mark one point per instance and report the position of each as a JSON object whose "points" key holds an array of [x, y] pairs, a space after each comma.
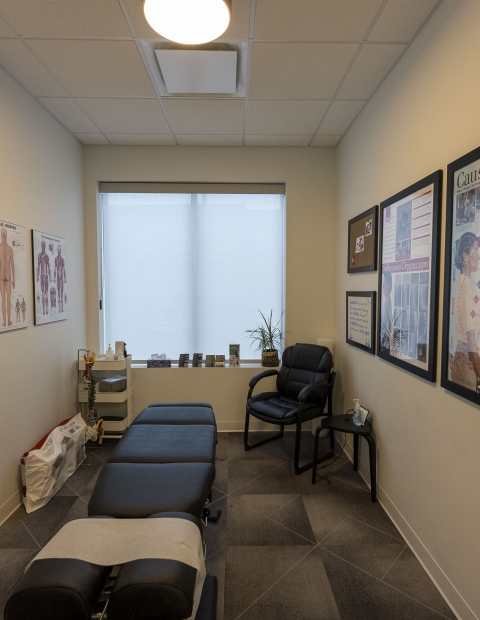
{"points": [[242, 365]]}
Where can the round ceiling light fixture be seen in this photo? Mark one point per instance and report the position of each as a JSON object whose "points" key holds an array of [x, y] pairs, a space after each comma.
{"points": [[190, 22]]}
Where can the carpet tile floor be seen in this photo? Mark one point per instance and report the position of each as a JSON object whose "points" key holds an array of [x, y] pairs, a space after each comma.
{"points": [[283, 549]]}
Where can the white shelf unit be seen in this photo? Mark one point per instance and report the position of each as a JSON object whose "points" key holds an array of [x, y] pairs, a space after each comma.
{"points": [[109, 404]]}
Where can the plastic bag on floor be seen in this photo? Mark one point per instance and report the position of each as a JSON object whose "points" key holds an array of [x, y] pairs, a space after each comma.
{"points": [[44, 470], [75, 429]]}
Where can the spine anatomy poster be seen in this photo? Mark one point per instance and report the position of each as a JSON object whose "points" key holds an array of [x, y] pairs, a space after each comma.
{"points": [[13, 271], [409, 224], [49, 277]]}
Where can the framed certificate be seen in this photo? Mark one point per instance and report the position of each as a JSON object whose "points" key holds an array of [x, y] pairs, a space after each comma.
{"points": [[360, 315]]}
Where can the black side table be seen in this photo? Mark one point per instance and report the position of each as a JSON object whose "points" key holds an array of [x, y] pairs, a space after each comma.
{"points": [[344, 424]]}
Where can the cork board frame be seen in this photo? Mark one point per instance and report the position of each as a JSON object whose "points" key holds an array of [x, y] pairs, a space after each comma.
{"points": [[363, 242]]}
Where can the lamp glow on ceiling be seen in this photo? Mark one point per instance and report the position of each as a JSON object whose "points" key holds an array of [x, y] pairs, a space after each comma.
{"points": [[188, 21]]}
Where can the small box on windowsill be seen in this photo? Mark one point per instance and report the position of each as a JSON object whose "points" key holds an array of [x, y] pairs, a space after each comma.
{"points": [[163, 363]]}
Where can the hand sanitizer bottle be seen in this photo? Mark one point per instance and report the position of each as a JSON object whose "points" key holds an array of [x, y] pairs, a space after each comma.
{"points": [[109, 354], [357, 419]]}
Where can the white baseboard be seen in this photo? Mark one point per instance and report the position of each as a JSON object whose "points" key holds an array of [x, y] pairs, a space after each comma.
{"points": [[9, 507], [452, 596]]}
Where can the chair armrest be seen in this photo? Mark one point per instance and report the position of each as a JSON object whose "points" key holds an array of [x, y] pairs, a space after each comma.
{"points": [[261, 375], [305, 393]]}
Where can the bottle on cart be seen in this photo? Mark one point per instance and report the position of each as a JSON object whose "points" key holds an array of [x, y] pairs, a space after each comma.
{"points": [[109, 354]]}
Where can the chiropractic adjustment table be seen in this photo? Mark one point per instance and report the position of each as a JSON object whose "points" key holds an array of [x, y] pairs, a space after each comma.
{"points": [[162, 469]]}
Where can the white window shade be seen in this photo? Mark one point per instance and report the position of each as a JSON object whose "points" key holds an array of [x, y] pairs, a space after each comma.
{"points": [[187, 273]]}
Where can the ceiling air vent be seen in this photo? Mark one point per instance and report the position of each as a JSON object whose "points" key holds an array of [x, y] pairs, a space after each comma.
{"points": [[197, 71]]}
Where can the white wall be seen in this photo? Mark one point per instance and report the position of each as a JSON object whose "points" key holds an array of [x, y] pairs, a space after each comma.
{"points": [[41, 188], [424, 116], [310, 182]]}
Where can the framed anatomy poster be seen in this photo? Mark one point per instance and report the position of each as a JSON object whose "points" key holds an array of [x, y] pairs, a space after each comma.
{"points": [[360, 315], [461, 306], [49, 277], [407, 278], [362, 242], [13, 277]]}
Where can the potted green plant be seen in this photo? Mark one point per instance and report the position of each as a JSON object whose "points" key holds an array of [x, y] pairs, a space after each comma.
{"points": [[268, 338]]}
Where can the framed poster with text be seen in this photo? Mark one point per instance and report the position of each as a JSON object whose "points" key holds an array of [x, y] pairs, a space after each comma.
{"points": [[461, 304], [362, 242], [49, 277], [360, 315], [408, 277]]}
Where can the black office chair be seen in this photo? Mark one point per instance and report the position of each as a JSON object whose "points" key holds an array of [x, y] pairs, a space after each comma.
{"points": [[304, 386]]}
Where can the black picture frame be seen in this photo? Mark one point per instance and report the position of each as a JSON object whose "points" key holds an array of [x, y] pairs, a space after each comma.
{"points": [[458, 365], [363, 327], [368, 255], [407, 328]]}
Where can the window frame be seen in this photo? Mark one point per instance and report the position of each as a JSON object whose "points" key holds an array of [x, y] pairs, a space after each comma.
{"points": [[206, 188]]}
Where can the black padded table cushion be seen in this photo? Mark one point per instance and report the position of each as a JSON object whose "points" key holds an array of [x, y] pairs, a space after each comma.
{"points": [[176, 413], [166, 444], [151, 589], [138, 490], [55, 589]]}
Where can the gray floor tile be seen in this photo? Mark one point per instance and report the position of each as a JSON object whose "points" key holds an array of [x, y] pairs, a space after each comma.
{"points": [[360, 596], [14, 535], [250, 571], [303, 593], [278, 480], [229, 476], [9, 575], [337, 500], [265, 504], [43, 523], [408, 576], [294, 517], [84, 474], [257, 460], [363, 546], [347, 474], [246, 527], [67, 490], [11, 555]]}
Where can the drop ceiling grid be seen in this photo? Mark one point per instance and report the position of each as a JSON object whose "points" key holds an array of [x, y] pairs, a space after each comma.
{"points": [[312, 65]]}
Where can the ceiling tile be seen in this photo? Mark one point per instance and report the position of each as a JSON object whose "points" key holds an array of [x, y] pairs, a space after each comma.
{"points": [[219, 140], [25, 68], [339, 117], [126, 115], [290, 140], [69, 114], [371, 66], [326, 140], [96, 68], [314, 20], [284, 117], [5, 31], [67, 18], [401, 19], [205, 116], [92, 138], [238, 29], [141, 139], [300, 71]]}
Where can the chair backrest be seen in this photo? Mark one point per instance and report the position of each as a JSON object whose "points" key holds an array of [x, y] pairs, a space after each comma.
{"points": [[303, 364]]}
